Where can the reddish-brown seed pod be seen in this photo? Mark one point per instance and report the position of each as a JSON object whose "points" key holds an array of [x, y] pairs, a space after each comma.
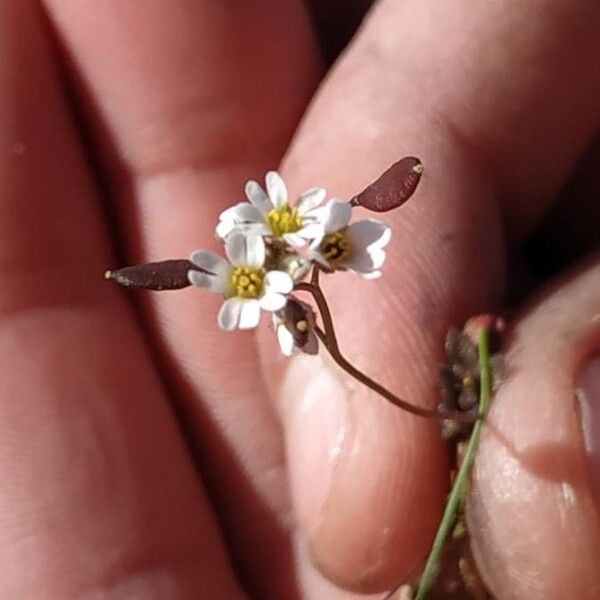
{"points": [[393, 188], [163, 275]]}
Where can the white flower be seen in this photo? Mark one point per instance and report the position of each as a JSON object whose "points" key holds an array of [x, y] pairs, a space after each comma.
{"points": [[294, 325], [244, 282], [358, 247], [270, 213]]}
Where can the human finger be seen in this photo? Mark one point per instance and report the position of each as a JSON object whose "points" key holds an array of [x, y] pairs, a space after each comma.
{"points": [[368, 480], [99, 495], [186, 100], [534, 507]]}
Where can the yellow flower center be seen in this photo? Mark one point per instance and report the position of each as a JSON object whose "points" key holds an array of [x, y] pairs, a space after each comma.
{"points": [[284, 219], [335, 247], [246, 282]]}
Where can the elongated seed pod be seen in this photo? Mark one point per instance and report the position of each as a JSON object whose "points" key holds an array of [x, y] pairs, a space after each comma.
{"points": [[393, 188], [162, 275]]}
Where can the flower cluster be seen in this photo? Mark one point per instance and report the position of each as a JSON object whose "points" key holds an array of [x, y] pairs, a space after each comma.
{"points": [[271, 244]]}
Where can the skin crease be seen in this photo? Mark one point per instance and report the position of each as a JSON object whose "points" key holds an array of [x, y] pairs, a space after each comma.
{"points": [[181, 105]]}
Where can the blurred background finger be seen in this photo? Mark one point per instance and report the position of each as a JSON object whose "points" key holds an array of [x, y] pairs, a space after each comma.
{"points": [[99, 496], [186, 100]]}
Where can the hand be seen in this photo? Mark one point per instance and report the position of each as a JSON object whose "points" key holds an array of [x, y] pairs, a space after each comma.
{"points": [[146, 454]]}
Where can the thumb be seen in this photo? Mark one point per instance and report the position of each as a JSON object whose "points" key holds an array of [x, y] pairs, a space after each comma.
{"points": [[534, 506]]}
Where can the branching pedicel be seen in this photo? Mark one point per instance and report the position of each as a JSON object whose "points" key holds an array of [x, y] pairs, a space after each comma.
{"points": [[271, 245]]}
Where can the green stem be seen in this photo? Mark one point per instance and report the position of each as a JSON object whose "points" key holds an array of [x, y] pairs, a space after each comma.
{"points": [[462, 477]]}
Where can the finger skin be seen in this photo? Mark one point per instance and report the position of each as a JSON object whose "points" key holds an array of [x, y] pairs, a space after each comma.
{"points": [[99, 496], [413, 83], [535, 526], [187, 100]]}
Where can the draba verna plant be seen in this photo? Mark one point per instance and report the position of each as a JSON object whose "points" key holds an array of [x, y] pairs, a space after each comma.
{"points": [[275, 249]]}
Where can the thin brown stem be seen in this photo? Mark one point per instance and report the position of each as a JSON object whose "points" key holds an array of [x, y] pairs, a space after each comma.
{"points": [[329, 340], [317, 293], [314, 278]]}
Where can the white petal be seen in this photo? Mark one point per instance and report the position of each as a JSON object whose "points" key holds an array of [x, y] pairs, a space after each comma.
{"points": [[209, 261], [229, 314], [255, 251], [212, 283], [224, 228], [278, 281], [242, 217], [272, 301], [294, 239], [364, 264], [250, 315], [312, 231], [258, 197], [243, 212], [235, 248], [310, 199], [370, 275], [245, 250], [317, 215], [368, 232], [199, 279], [360, 262], [314, 244], [384, 240], [338, 217], [377, 256], [276, 189], [256, 229], [286, 340], [318, 257]]}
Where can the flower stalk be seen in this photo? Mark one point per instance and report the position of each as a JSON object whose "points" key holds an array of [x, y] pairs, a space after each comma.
{"points": [[329, 339]]}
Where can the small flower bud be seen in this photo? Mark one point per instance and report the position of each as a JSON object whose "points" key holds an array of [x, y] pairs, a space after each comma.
{"points": [[163, 275], [393, 188], [495, 324], [294, 325], [296, 266]]}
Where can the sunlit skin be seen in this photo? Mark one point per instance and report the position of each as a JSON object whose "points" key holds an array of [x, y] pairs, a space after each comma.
{"points": [[152, 455]]}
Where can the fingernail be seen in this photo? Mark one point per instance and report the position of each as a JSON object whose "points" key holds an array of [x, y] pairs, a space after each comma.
{"points": [[589, 399], [316, 433]]}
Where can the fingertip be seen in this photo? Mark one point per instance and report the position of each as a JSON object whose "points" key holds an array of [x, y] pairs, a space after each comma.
{"points": [[367, 480], [534, 522]]}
